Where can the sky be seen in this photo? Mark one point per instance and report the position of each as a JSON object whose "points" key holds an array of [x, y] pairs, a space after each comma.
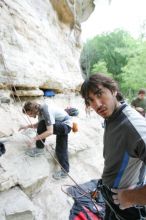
{"points": [[126, 14]]}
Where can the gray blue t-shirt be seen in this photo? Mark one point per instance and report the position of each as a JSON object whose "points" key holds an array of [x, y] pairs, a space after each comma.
{"points": [[53, 114]]}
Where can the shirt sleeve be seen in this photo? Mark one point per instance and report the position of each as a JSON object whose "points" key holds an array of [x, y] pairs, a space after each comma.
{"points": [[48, 116], [141, 150]]}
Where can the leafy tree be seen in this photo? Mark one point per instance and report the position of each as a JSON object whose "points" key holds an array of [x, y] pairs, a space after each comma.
{"points": [[119, 55], [88, 57], [110, 48], [99, 67], [134, 73]]}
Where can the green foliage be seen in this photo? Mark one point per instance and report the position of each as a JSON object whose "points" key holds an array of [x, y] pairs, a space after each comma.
{"points": [[109, 48], [88, 57], [134, 73], [99, 67], [119, 55]]}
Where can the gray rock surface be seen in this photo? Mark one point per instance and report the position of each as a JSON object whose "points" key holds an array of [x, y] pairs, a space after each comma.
{"points": [[37, 49], [30, 179], [15, 205]]}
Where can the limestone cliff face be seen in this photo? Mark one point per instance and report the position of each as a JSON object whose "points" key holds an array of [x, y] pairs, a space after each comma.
{"points": [[39, 44]]}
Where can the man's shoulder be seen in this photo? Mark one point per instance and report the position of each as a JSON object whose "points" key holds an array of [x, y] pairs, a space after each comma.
{"points": [[135, 100], [44, 106]]}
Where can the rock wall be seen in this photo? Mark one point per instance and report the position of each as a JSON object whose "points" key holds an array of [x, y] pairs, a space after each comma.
{"points": [[40, 45], [27, 189], [40, 49]]}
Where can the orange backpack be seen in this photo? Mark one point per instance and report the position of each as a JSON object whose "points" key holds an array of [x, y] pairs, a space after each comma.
{"points": [[75, 127]]}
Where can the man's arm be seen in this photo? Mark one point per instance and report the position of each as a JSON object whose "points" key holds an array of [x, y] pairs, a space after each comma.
{"points": [[42, 136], [45, 134], [126, 198]]}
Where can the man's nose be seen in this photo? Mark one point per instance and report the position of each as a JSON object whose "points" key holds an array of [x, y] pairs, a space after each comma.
{"points": [[97, 103]]}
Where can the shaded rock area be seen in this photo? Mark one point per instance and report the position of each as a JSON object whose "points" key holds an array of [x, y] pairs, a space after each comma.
{"points": [[70, 11], [27, 189], [28, 93]]}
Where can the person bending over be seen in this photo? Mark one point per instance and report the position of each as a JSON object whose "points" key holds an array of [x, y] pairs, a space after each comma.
{"points": [[51, 120]]}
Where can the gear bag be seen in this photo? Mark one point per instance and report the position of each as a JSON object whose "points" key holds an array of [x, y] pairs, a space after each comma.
{"points": [[72, 111], [84, 208]]}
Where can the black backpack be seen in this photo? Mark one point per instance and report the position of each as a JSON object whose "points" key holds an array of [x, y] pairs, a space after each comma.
{"points": [[72, 111]]}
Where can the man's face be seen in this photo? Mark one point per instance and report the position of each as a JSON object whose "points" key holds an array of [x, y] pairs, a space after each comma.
{"points": [[31, 114], [103, 101], [141, 96]]}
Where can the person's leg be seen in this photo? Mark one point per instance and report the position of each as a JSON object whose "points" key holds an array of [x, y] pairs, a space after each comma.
{"points": [[61, 130], [62, 151], [40, 129]]}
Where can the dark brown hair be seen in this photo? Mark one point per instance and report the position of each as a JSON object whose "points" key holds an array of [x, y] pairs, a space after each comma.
{"points": [[30, 107], [92, 83], [142, 91]]}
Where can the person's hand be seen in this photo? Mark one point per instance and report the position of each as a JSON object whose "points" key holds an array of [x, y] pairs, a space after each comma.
{"points": [[120, 198], [31, 142]]}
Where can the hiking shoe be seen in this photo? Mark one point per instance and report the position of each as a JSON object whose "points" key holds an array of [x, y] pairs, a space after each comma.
{"points": [[35, 152], [59, 175]]}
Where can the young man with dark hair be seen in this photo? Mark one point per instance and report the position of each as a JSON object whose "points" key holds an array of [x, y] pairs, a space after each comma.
{"points": [[124, 143], [51, 120], [140, 100]]}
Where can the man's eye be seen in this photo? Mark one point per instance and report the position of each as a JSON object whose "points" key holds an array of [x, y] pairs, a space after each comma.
{"points": [[99, 94], [89, 100]]}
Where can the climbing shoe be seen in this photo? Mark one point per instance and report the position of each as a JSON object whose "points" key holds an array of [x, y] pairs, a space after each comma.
{"points": [[59, 175]]}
